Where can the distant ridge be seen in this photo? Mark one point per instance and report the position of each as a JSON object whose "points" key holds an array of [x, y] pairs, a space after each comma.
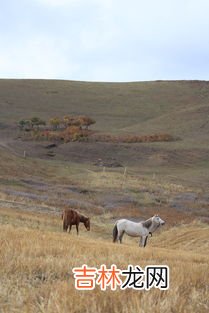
{"points": [[175, 107]]}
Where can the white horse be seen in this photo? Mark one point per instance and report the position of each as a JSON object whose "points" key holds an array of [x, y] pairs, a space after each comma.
{"points": [[141, 229]]}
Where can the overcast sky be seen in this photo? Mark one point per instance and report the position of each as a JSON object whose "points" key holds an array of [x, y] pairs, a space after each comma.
{"points": [[104, 40]]}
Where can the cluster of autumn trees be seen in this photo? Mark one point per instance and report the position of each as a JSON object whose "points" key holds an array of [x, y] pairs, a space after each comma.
{"points": [[56, 122], [76, 128], [68, 128], [29, 124], [71, 120]]}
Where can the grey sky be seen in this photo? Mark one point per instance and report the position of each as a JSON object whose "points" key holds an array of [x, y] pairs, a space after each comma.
{"points": [[111, 40]]}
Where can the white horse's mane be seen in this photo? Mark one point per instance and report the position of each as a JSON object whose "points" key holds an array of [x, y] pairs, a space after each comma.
{"points": [[147, 223]]}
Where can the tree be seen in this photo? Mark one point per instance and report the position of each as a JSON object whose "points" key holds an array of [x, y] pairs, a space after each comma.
{"points": [[86, 121], [72, 133], [71, 120], [36, 121], [55, 122], [24, 125]]}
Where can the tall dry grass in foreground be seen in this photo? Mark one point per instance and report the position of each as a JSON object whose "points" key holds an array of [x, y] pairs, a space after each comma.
{"points": [[36, 270]]}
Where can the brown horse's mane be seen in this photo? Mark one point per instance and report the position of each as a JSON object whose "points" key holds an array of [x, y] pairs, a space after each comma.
{"points": [[82, 217]]}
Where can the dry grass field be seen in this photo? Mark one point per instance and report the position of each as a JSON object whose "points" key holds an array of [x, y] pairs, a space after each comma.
{"points": [[37, 259], [168, 178]]}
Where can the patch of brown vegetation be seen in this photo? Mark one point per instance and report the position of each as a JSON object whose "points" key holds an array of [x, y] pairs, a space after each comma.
{"points": [[131, 138]]}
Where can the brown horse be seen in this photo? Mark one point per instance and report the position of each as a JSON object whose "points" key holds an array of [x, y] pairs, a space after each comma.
{"points": [[71, 217]]}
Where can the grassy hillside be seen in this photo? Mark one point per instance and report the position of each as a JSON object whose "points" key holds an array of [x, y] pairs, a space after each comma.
{"points": [[178, 107], [168, 178]]}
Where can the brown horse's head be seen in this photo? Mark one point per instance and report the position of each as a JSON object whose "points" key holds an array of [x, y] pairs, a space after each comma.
{"points": [[87, 223]]}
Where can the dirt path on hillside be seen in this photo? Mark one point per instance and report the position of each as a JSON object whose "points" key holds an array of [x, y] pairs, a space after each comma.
{"points": [[29, 207], [5, 146]]}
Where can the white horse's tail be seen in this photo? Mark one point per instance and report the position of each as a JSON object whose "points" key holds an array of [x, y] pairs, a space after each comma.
{"points": [[115, 232]]}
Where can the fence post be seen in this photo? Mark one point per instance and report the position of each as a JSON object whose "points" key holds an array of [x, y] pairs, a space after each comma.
{"points": [[124, 177]]}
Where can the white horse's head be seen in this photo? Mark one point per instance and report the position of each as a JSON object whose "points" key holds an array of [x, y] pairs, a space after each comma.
{"points": [[157, 220]]}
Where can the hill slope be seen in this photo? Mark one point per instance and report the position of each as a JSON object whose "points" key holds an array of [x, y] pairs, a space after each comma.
{"points": [[143, 107], [170, 179], [180, 108]]}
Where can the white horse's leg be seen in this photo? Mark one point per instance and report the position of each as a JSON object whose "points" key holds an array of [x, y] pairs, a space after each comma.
{"points": [[121, 236], [120, 233], [143, 241]]}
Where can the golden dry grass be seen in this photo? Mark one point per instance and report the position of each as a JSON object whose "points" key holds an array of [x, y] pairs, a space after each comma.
{"points": [[117, 180], [36, 267]]}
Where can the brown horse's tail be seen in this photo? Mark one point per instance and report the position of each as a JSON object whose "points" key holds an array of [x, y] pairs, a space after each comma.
{"points": [[115, 232]]}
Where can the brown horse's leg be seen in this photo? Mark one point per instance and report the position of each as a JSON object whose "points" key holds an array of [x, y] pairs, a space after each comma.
{"points": [[77, 228], [70, 226], [65, 226]]}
